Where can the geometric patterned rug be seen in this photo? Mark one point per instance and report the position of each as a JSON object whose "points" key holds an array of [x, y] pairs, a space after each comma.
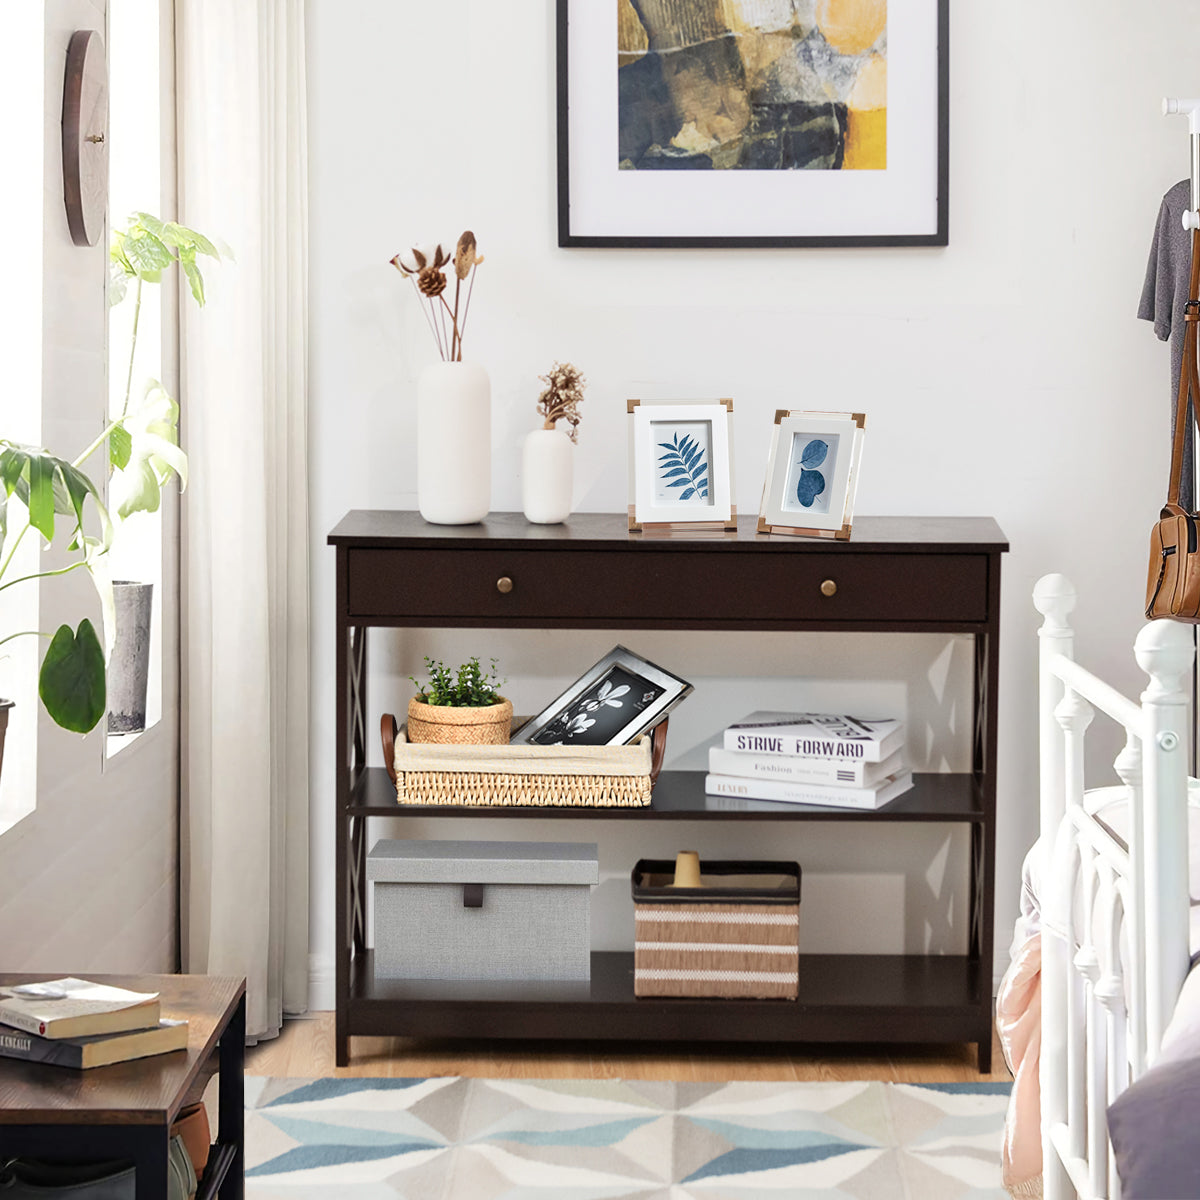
{"points": [[575, 1139]]}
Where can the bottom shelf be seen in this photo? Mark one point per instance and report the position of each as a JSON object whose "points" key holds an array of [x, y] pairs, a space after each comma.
{"points": [[843, 998]]}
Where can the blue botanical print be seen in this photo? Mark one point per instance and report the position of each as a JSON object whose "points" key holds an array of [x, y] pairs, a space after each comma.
{"points": [[811, 483], [685, 466]]}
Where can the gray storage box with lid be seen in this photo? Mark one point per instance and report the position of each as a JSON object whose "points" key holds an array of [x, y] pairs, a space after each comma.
{"points": [[482, 910]]}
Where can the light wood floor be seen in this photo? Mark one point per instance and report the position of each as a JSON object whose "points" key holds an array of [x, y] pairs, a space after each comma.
{"points": [[304, 1050]]}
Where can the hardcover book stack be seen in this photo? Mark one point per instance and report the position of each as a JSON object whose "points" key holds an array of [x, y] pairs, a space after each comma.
{"points": [[75, 1023], [826, 759]]}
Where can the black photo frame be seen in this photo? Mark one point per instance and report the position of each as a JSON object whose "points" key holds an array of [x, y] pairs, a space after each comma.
{"points": [[903, 203], [613, 702]]}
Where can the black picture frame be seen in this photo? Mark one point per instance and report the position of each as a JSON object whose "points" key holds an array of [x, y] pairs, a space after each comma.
{"points": [[628, 719], [574, 234]]}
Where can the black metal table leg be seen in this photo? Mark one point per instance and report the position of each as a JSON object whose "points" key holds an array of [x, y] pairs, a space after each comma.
{"points": [[231, 1102]]}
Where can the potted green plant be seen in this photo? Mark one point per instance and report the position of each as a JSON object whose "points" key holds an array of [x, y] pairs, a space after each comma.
{"points": [[38, 487], [45, 487], [459, 706], [139, 254]]}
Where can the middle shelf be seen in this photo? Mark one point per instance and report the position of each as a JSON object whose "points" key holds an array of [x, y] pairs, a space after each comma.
{"points": [[680, 795]]}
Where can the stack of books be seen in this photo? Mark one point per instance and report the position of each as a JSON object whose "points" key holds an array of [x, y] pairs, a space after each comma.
{"points": [[75, 1023], [810, 758]]}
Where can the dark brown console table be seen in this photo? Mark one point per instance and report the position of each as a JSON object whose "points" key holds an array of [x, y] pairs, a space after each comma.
{"points": [[124, 1111], [896, 574]]}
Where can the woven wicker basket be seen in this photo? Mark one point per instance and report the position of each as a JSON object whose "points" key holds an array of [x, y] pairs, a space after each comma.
{"points": [[735, 937], [526, 775]]}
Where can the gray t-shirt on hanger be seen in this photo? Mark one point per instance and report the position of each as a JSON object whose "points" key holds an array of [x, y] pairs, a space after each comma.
{"points": [[1164, 294]]}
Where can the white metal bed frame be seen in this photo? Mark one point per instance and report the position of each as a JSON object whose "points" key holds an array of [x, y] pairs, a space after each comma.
{"points": [[1104, 1011]]}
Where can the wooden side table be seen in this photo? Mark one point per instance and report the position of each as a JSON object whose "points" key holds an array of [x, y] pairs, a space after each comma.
{"points": [[125, 1111]]}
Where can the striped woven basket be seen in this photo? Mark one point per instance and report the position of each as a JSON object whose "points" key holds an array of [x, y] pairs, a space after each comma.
{"points": [[737, 936], [523, 775]]}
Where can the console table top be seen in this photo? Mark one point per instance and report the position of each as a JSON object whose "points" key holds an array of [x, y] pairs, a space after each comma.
{"points": [[608, 531]]}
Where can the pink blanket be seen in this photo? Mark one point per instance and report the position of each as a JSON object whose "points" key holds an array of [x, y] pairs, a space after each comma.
{"points": [[1019, 1025]]}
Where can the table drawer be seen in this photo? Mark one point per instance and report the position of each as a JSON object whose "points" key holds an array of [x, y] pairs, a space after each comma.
{"points": [[680, 586]]}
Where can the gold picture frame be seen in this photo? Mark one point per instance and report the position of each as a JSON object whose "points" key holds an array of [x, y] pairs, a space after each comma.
{"points": [[812, 474], [652, 508]]}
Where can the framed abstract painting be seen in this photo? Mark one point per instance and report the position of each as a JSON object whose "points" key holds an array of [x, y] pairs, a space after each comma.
{"points": [[681, 473], [812, 474], [753, 122]]}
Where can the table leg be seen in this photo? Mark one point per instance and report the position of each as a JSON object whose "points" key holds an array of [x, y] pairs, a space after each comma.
{"points": [[151, 1146], [231, 1102]]}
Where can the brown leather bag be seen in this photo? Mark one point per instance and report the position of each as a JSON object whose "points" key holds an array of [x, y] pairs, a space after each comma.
{"points": [[1173, 582]]}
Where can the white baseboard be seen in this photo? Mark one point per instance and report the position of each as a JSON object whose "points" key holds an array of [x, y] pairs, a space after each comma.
{"points": [[322, 992]]}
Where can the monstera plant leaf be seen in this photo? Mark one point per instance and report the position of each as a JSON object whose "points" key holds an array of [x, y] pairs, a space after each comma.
{"points": [[71, 683], [48, 487], [147, 454]]}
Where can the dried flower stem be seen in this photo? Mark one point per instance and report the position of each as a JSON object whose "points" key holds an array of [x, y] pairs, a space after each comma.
{"points": [[424, 266], [456, 345], [466, 310], [428, 314]]}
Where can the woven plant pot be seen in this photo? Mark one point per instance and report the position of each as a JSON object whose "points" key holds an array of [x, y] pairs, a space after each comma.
{"points": [[448, 725]]}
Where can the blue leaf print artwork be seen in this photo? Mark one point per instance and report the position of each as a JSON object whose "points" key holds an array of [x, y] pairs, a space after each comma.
{"points": [[811, 483], [684, 466]]}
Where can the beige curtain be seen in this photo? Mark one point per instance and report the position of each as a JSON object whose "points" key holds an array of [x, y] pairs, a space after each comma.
{"points": [[240, 95]]}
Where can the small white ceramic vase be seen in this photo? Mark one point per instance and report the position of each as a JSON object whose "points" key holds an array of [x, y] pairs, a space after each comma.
{"points": [[547, 476], [454, 443]]}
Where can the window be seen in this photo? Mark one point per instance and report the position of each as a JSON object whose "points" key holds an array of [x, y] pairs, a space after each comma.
{"points": [[22, 80], [135, 184]]}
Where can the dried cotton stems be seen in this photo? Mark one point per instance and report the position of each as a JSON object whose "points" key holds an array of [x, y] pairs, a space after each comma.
{"points": [[562, 397]]}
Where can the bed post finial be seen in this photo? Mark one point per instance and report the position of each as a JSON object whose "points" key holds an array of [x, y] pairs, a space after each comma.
{"points": [[1164, 651], [1054, 596]]}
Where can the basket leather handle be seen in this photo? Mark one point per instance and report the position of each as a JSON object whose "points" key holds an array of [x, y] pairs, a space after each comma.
{"points": [[387, 733], [658, 749]]}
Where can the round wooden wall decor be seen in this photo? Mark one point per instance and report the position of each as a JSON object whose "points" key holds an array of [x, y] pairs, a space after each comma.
{"points": [[84, 132]]}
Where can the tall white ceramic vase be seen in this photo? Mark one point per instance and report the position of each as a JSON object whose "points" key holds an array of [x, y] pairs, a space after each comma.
{"points": [[454, 443], [547, 476]]}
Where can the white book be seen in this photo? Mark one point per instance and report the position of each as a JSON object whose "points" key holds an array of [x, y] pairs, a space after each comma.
{"points": [[828, 795], [844, 772], [816, 735], [71, 1007]]}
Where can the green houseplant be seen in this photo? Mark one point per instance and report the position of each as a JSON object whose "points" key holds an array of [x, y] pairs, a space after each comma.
{"points": [[37, 488], [459, 706]]}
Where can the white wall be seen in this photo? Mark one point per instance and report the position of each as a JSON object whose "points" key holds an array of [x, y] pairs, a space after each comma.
{"points": [[1003, 375]]}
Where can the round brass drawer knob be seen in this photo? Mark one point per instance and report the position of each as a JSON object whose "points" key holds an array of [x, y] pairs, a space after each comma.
{"points": [[828, 588], [504, 585]]}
